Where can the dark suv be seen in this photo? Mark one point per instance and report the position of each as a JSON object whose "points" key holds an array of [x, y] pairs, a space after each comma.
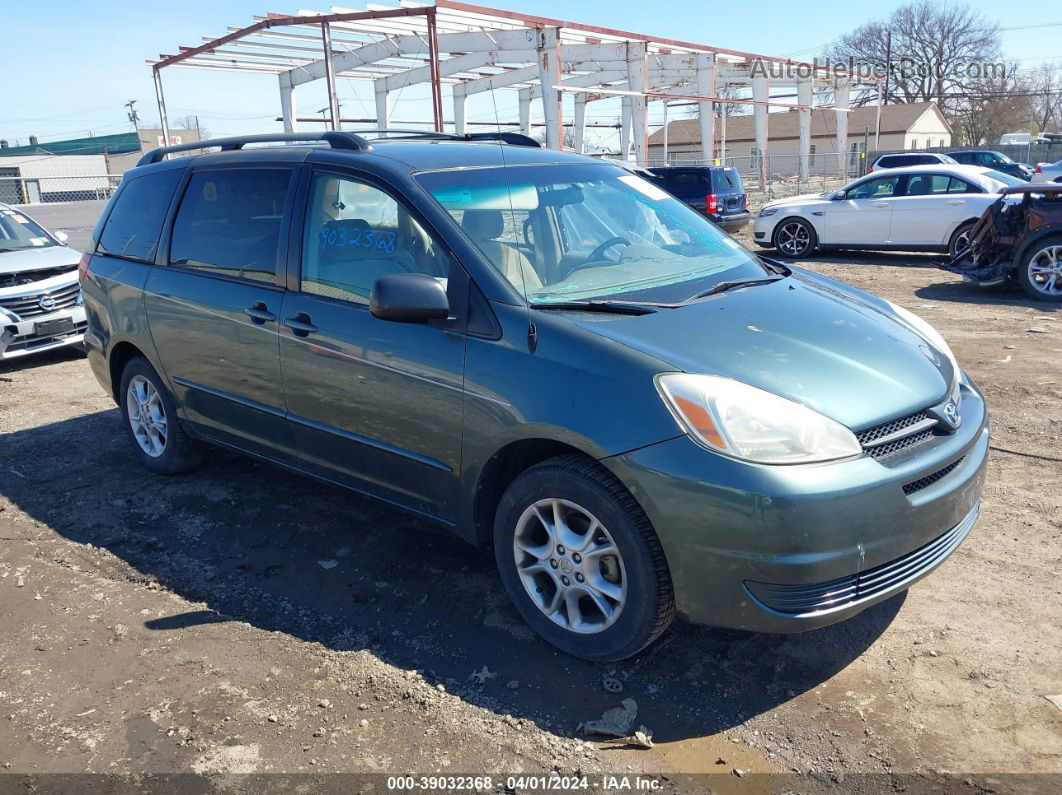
{"points": [[994, 160], [715, 191], [545, 353]]}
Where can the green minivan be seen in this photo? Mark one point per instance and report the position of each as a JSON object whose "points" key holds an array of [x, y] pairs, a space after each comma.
{"points": [[547, 354]]}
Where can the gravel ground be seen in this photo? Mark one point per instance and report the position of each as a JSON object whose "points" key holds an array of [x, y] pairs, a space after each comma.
{"points": [[240, 619]]}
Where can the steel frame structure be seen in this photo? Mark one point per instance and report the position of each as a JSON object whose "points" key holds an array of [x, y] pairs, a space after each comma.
{"points": [[474, 49]]}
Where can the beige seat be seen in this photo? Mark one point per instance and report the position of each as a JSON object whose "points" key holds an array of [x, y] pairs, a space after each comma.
{"points": [[485, 227]]}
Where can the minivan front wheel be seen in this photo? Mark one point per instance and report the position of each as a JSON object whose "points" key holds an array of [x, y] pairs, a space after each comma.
{"points": [[151, 420], [581, 562], [794, 238]]}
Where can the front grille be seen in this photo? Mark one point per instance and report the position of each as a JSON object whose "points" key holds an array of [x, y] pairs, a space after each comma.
{"points": [[30, 305], [929, 480], [897, 435], [804, 600]]}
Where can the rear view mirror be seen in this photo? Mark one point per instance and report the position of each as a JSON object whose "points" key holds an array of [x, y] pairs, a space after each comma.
{"points": [[409, 298], [61, 236]]}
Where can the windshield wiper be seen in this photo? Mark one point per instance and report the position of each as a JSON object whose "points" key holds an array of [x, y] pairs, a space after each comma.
{"points": [[733, 284], [615, 307]]}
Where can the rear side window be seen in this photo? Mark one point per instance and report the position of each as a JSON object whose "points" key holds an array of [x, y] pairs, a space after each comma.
{"points": [[229, 222], [685, 182], [727, 180], [134, 225]]}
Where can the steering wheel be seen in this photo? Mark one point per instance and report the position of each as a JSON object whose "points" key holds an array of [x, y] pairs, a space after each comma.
{"points": [[598, 254]]}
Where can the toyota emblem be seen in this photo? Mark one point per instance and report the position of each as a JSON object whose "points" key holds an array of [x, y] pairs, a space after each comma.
{"points": [[951, 413], [46, 302]]}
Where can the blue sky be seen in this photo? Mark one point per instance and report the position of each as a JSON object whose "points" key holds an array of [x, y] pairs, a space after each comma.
{"points": [[70, 70]]}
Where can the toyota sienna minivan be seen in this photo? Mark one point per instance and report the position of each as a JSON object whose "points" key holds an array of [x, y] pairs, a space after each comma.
{"points": [[547, 354]]}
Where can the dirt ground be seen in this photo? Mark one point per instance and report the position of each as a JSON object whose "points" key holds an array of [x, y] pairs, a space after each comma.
{"points": [[240, 619]]}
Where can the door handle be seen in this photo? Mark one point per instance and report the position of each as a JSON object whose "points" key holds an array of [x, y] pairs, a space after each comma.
{"points": [[879, 204], [259, 313], [300, 325], [956, 201]]}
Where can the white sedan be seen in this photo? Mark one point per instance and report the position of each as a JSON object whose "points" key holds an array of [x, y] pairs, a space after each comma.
{"points": [[918, 208]]}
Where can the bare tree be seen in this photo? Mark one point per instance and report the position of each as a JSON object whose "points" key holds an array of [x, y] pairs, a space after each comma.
{"points": [[724, 91], [191, 122], [1045, 85], [934, 49], [993, 106]]}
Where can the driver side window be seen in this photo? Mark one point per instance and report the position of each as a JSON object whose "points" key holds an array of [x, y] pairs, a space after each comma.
{"points": [[355, 233], [875, 189]]}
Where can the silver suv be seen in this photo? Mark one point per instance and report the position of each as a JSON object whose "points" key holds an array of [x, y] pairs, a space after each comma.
{"points": [[40, 298]]}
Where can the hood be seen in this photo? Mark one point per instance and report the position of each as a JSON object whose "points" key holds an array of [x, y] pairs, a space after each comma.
{"points": [[803, 198], [830, 347], [38, 258]]}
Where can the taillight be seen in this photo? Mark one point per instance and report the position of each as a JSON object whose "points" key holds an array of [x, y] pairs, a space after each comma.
{"points": [[82, 268], [712, 203], [1039, 170], [744, 201]]}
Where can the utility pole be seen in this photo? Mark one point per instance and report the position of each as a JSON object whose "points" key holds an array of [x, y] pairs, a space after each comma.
{"points": [[888, 65], [132, 113]]}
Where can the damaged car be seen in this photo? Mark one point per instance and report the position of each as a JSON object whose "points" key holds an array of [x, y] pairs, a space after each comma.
{"points": [[1019, 237], [40, 298]]}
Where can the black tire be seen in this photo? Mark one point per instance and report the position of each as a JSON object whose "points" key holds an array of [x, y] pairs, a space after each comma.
{"points": [[649, 605], [180, 452], [960, 238], [1025, 278], [803, 231]]}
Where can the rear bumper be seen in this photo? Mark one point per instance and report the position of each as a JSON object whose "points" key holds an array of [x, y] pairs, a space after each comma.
{"points": [[21, 337], [731, 221], [788, 549]]}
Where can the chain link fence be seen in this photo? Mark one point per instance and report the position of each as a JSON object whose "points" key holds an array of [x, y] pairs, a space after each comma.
{"points": [[776, 176], [51, 189]]}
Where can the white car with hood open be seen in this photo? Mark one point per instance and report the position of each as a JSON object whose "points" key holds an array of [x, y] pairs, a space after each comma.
{"points": [[40, 297]]}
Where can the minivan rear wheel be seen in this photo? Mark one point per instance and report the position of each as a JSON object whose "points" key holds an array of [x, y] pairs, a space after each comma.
{"points": [[151, 421], [581, 561]]}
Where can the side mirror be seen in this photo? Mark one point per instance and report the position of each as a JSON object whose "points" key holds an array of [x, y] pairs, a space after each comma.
{"points": [[839, 196], [409, 298], [61, 236]]}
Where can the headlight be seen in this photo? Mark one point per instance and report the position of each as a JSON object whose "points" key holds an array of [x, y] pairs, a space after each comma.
{"points": [[932, 336], [766, 211], [742, 421]]}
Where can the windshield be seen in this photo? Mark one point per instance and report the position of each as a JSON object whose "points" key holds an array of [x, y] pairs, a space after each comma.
{"points": [[948, 159], [1006, 179], [1002, 158], [18, 231], [593, 231]]}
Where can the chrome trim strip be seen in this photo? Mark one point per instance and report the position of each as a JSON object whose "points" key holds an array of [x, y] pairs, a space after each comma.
{"points": [[903, 433]]}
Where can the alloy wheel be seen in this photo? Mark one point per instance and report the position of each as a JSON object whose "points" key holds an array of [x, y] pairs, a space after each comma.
{"points": [[1045, 270], [570, 566], [962, 240], [793, 239], [147, 416]]}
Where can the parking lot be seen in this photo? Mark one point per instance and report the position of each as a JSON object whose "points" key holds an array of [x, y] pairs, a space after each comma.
{"points": [[242, 619]]}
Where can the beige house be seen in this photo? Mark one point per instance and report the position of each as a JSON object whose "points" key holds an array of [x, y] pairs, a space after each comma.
{"points": [[912, 126]]}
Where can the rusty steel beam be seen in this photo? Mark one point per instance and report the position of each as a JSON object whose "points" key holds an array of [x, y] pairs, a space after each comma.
{"points": [[276, 20]]}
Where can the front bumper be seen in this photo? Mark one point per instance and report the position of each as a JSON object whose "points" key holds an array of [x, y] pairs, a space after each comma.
{"points": [[793, 548], [763, 230], [24, 337]]}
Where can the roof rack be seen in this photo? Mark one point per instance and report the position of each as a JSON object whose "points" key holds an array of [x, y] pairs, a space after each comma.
{"points": [[334, 138], [515, 139]]}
